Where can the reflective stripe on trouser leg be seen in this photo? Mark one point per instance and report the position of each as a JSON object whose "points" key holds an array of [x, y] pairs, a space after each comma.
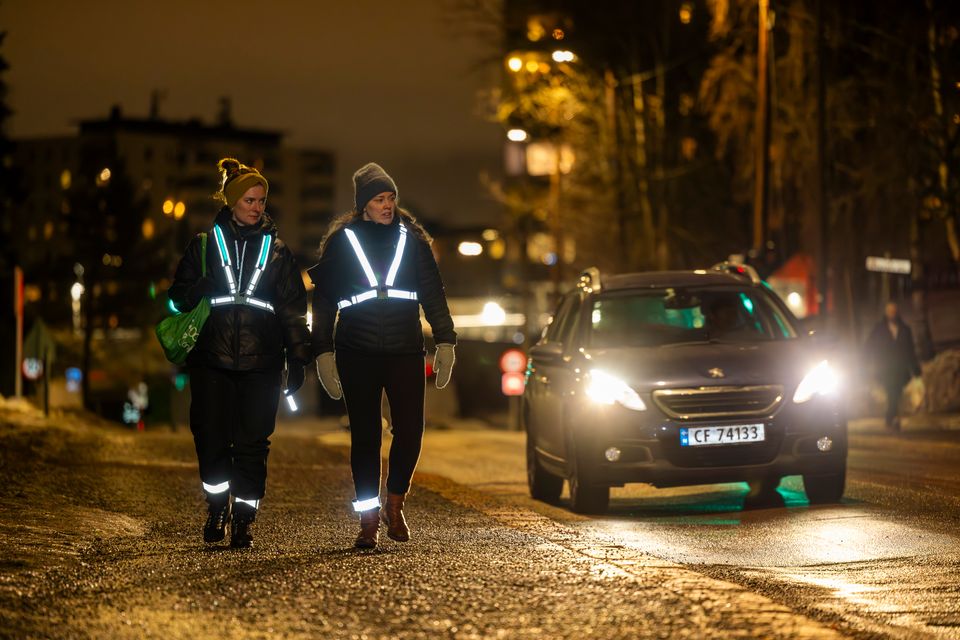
{"points": [[216, 488], [253, 503], [366, 505]]}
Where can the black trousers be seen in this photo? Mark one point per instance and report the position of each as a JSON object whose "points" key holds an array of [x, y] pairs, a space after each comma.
{"points": [[232, 416], [364, 378], [894, 389]]}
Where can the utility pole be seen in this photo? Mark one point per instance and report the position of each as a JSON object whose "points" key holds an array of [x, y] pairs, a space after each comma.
{"points": [[823, 221], [761, 185]]}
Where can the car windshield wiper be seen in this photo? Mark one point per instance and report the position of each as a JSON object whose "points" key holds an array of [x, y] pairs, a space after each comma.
{"points": [[691, 343]]}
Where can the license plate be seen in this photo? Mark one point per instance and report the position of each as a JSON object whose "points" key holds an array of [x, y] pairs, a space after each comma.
{"points": [[734, 434]]}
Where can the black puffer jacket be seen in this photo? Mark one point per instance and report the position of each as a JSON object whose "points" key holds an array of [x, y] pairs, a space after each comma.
{"points": [[378, 326], [241, 337]]}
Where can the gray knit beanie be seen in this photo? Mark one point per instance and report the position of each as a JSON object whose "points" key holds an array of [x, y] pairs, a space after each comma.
{"points": [[370, 180]]}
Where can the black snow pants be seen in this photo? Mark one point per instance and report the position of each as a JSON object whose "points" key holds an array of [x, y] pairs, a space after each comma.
{"points": [[232, 416], [364, 379]]}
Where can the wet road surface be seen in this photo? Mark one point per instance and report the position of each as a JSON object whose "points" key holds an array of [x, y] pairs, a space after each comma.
{"points": [[100, 531]]}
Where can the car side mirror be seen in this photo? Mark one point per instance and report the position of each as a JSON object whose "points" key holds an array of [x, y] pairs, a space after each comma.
{"points": [[547, 352]]}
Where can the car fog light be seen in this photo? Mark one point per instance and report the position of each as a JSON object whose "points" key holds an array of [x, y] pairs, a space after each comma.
{"points": [[824, 444], [612, 454]]}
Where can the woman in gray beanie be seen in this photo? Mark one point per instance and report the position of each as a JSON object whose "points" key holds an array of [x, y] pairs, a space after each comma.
{"points": [[376, 270]]}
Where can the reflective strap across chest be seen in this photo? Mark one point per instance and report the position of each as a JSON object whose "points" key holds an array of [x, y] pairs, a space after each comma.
{"points": [[376, 290], [235, 296]]}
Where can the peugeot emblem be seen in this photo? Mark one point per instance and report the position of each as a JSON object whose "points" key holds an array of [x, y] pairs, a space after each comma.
{"points": [[716, 372]]}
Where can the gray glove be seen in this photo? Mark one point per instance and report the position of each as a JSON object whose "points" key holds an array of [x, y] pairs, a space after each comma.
{"points": [[443, 364], [327, 372]]}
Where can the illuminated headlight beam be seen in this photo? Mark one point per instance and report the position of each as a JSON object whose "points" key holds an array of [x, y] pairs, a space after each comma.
{"points": [[604, 388], [822, 380]]}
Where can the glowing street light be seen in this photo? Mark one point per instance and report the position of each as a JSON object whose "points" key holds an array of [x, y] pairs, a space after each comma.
{"points": [[516, 135], [168, 206], [563, 56], [179, 209], [467, 248], [515, 64]]}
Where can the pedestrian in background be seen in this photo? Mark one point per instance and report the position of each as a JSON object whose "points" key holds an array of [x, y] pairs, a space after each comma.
{"points": [[257, 323], [376, 270], [894, 359]]}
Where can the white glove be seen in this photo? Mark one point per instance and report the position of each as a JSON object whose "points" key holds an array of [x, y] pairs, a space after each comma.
{"points": [[327, 372], [443, 364]]}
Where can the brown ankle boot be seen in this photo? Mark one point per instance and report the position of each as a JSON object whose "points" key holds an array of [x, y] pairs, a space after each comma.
{"points": [[393, 516], [369, 529]]}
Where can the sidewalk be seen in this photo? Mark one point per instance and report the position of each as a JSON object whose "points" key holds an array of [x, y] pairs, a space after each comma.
{"points": [[919, 423]]}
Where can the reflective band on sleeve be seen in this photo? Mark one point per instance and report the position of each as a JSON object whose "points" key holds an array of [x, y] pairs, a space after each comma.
{"points": [[366, 505], [398, 256], [399, 293], [357, 249], [253, 503], [216, 488]]}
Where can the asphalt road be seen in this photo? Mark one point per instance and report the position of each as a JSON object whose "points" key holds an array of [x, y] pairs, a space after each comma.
{"points": [[883, 563], [100, 531]]}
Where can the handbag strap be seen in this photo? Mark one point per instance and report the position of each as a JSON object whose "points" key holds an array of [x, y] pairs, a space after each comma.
{"points": [[203, 254]]}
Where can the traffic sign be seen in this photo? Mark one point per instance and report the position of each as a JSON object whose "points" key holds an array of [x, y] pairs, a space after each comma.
{"points": [[512, 383], [513, 361], [32, 368], [888, 265]]}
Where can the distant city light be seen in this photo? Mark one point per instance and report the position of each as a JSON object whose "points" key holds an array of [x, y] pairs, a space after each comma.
{"points": [[532, 66], [563, 56], [147, 229], [493, 314], [517, 135], [515, 64], [490, 234], [686, 13], [558, 34], [795, 301], [104, 176], [468, 248], [179, 210], [66, 178], [76, 291], [168, 206]]}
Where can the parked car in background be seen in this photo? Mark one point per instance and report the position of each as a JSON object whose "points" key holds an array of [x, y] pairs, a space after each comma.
{"points": [[680, 378]]}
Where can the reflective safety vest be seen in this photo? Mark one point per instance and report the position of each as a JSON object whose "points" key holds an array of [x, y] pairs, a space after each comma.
{"points": [[236, 297], [376, 290]]}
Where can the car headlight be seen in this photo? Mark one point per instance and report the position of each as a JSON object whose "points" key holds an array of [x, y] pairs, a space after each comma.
{"points": [[820, 381], [604, 388]]}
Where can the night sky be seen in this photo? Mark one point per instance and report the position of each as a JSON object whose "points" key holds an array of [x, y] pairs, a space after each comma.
{"points": [[392, 82]]}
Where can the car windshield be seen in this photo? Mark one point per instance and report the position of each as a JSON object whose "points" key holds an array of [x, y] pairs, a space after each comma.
{"points": [[670, 316]]}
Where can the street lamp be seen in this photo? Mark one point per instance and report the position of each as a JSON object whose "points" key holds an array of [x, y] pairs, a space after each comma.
{"points": [[516, 135]]}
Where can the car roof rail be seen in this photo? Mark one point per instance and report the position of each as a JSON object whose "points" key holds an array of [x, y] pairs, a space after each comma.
{"points": [[589, 280], [736, 269]]}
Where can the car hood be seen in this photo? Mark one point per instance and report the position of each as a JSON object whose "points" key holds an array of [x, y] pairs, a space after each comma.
{"points": [[707, 364]]}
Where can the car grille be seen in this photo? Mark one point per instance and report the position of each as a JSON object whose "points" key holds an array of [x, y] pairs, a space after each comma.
{"points": [[719, 402]]}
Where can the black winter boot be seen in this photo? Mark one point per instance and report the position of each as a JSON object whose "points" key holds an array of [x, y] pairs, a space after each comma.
{"points": [[218, 513], [243, 517]]}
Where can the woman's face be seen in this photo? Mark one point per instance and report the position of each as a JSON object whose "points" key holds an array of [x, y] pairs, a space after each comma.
{"points": [[381, 207], [249, 208]]}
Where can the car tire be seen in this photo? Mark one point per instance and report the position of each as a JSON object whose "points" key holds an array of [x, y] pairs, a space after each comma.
{"points": [[585, 497], [825, 489], [543, 485]]}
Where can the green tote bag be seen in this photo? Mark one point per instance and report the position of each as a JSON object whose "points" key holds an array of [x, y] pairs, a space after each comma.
{"points": [[178, 333]]}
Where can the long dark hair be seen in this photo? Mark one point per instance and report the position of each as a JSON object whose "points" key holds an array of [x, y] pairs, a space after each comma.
{"points": [[351, 216]]}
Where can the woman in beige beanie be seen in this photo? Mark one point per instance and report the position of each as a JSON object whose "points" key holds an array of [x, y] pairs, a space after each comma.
{"points": [[256, 326]]}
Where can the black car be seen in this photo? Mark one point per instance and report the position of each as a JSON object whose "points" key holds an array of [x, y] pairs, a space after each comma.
{"points": [[680, 378]]}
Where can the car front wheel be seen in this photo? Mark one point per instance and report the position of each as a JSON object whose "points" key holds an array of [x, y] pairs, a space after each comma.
{"points": [[543, 485], [825, 489], [585, 497]]}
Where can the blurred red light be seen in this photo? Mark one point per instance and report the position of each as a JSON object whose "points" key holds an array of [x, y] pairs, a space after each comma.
{"points": [[512, 383]]}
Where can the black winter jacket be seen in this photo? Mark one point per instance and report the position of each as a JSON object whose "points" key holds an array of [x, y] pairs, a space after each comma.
{"points": [[240, 337], [378, 326]]}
